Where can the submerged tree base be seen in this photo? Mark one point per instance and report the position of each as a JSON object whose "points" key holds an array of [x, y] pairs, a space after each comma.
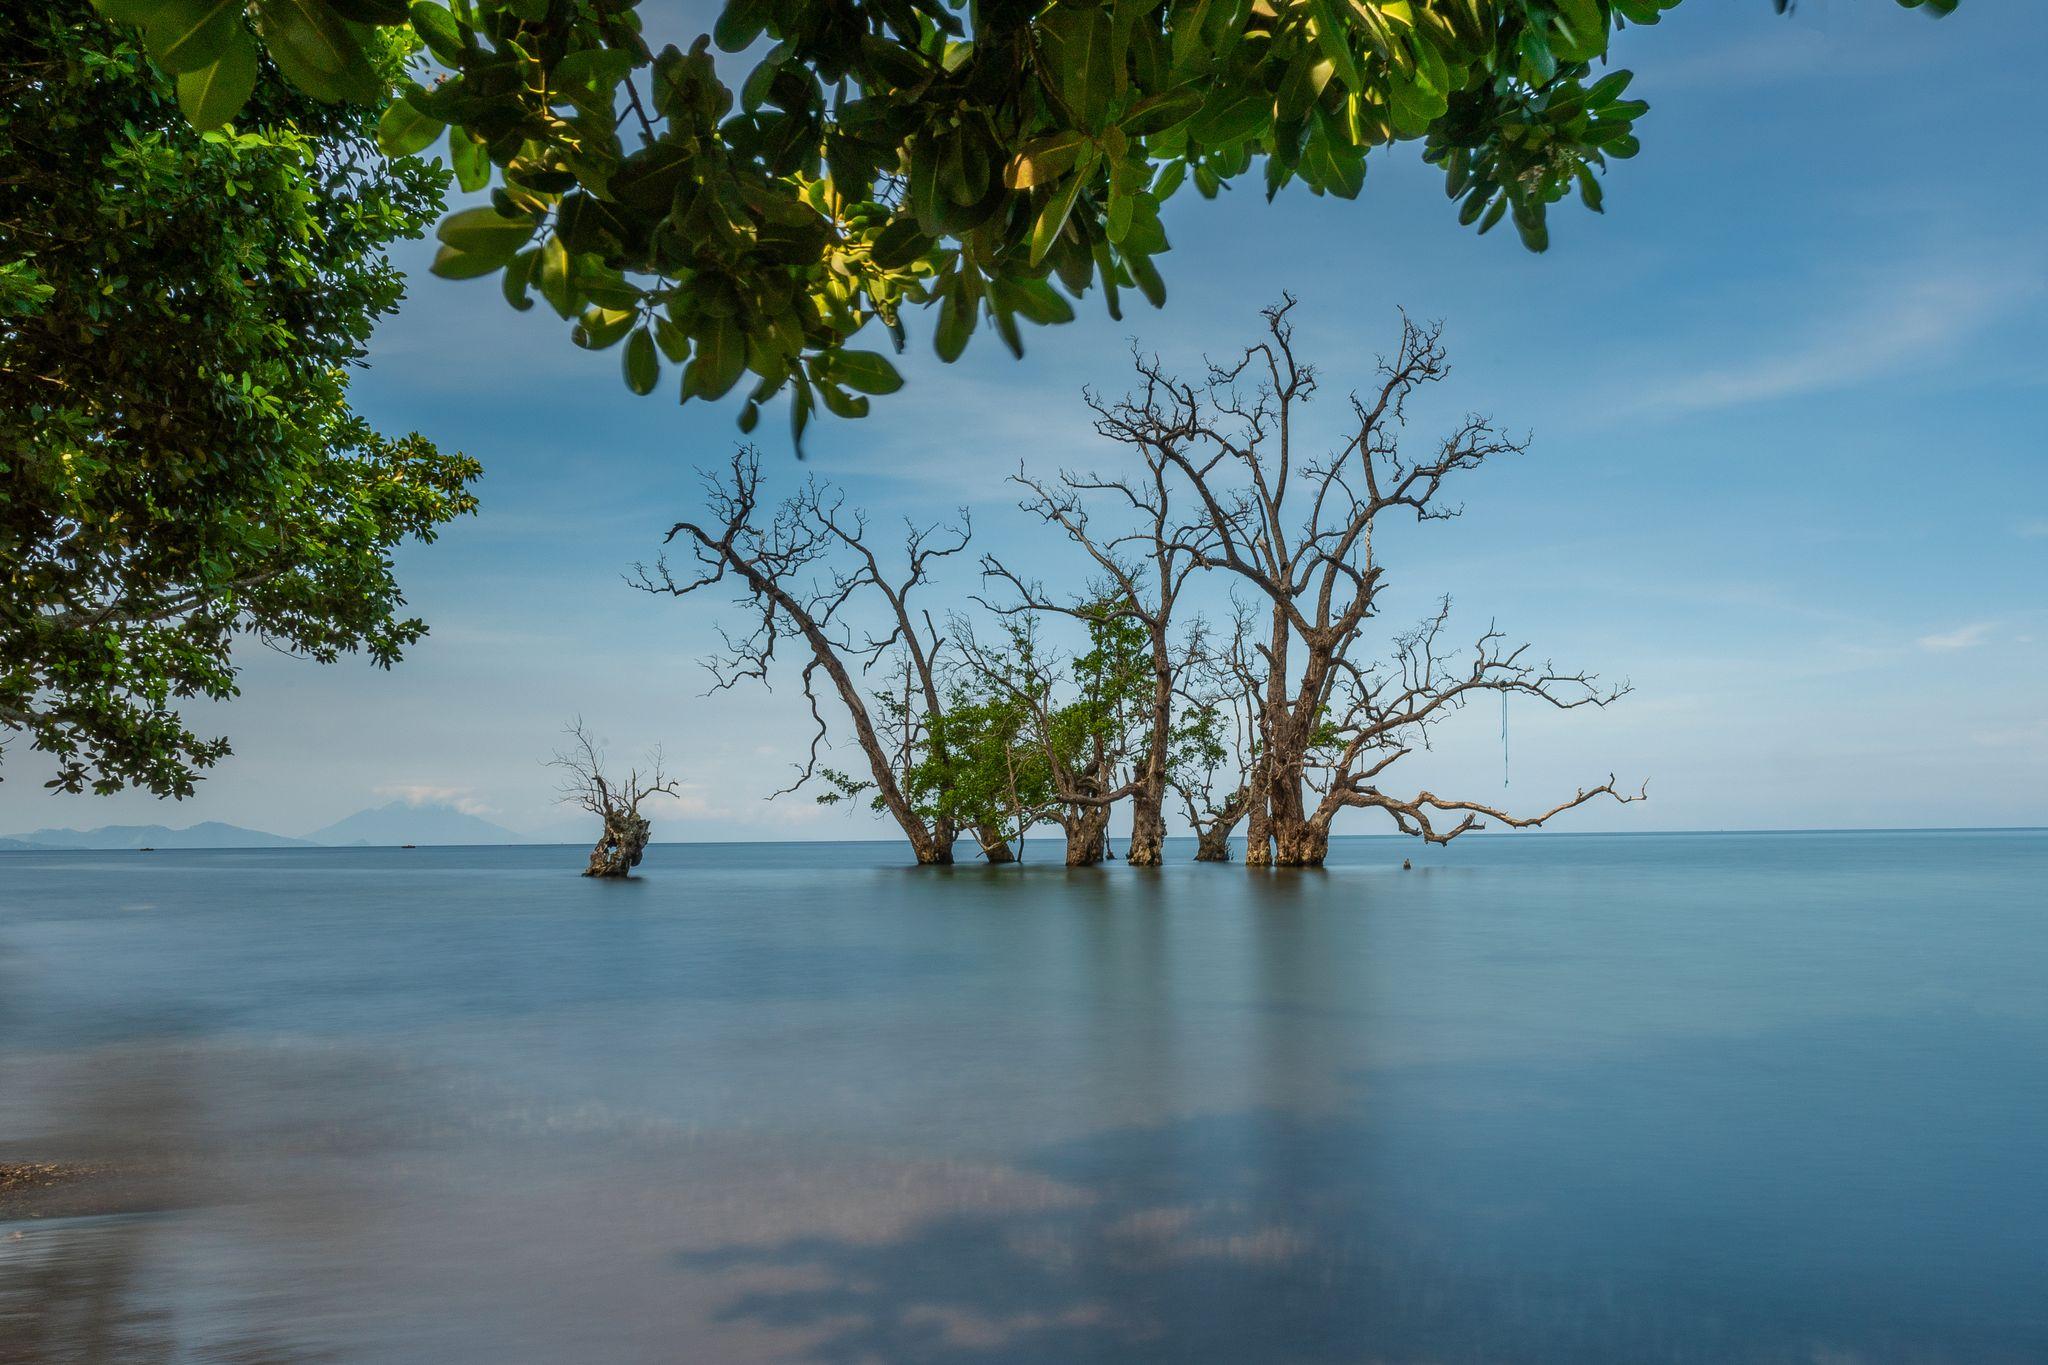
{"points": [[1304, 846], [620, 848], [1088, 840], [1146, 847], [625, 831]]}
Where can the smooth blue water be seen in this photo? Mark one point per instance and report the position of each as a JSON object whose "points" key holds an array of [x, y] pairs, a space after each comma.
{"points": [[1775, 1098]]}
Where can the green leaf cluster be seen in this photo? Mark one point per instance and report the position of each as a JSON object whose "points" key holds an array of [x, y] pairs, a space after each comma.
{"points": [[977, 767], [179, 465], [1027, 727], [990, 161]]}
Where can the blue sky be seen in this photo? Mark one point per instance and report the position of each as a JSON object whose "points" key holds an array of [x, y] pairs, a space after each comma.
{"points": [[1788, 474]]}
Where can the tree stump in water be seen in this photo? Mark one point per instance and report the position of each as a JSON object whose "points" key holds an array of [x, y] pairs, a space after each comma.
{"points": [[620, 847], [623, 841]]}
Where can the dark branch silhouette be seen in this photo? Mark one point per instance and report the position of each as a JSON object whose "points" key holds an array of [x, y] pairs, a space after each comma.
{"points": [[622, 837], [1298, 530], [798, 569]]}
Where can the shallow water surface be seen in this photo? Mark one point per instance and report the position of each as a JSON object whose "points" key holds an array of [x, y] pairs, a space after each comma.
{"points": [[1586, 1099]]}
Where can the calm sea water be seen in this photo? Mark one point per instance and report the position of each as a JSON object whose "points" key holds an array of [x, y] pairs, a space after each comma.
{"points": [[1776, 1098]]}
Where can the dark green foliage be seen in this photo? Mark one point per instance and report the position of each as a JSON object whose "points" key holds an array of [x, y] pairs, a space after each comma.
{"points": [[987, 160], [979, 768], [178, 460], [1112, 679], [1032, 735]]}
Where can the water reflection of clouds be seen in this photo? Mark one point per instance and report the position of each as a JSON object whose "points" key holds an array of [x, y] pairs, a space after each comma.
{"points": [[1559, 1109], [314, 1197]]}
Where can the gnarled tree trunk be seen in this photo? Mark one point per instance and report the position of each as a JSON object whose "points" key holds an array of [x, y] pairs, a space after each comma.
{"points": [[1258, 833], [1301, 843], [1298, 841], [1148, 802], [1148, 830], [1087, 836], [1212, 840], [623, 831], [620, 847], [1258, 839]]}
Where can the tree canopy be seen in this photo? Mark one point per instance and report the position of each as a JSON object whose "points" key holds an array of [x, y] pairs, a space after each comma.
{"points": [[179, 464], [867, 157]]}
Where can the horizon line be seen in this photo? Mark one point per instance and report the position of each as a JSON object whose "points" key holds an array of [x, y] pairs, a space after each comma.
{"points": [[307, 847]]}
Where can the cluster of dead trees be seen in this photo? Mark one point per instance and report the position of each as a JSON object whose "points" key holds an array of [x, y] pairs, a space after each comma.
{"points": [[976, 726]]}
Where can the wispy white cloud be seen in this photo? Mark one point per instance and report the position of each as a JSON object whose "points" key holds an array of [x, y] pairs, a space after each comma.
{"points": [[1785, 51], [1906, 319], [2018, 736], [430, 794], [2037, 529], [688, 800], [1962, 637]]}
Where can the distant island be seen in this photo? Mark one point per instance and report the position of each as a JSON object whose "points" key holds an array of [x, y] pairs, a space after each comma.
{"points": [[390, 825], [208, 834]]}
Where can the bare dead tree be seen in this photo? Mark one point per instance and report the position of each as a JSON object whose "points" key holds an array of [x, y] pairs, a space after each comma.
{"points": [[622, 837], [1299, 531], [1146, 552], [798, 569], [1384, 713]]}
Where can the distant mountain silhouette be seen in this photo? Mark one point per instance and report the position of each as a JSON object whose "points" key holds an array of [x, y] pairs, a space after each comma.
{"points": [[397, 823], [209, 834], [400, 823]]}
